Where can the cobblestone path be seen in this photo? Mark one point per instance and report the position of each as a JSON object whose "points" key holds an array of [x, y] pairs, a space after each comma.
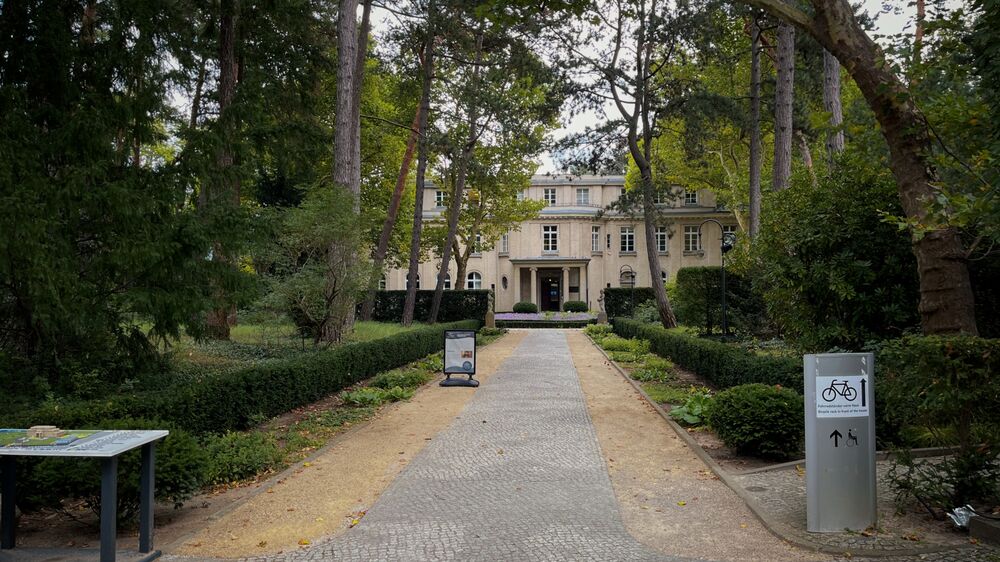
{"points": [[518, 476]]}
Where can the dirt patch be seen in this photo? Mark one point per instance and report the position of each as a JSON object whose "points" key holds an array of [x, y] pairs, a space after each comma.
{"points": [[332, 491], [727, 458], [669, 499]]}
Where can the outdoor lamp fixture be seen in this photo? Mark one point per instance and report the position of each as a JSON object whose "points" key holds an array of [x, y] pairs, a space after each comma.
{"points": [[727, 241]]}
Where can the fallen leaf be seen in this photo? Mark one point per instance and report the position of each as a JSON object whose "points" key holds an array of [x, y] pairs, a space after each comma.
{"points": [[682, 503], [304, 542], [261, 544]]}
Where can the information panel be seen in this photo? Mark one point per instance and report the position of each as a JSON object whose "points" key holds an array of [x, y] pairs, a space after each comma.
{"points": [[52, 442], [840, 442], [459, 352]]}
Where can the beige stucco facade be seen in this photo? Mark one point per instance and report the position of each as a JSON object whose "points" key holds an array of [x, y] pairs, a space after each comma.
{"points": [[575, 247]]}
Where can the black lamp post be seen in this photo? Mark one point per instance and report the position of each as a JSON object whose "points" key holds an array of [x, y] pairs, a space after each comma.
{"points": [[727, 240]]}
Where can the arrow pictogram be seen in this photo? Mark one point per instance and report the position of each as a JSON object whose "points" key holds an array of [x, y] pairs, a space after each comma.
{"points": [[836, 436], [864, 395]]}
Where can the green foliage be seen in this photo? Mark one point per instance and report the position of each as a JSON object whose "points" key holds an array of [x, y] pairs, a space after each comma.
{"points": [[647, 313], [180, 472], [409, 378], [760, 420], [491, 332], [238, 457], [663, 393], [831, 271], [574, 306], [396, 393], [940, 485], [366, 396], [455, 305], [623, 302], [694, 409], [719, 363], [698, 300], [598, 331], [525, 307], [239, 399], [615, 343]]}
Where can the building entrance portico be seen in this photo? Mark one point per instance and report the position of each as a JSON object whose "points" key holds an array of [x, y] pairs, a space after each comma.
{"points": [[548, 282]]}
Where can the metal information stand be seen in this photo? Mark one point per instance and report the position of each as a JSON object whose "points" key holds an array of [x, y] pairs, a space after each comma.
{"points": [[840, 442], [459, 357], [105, 445]]}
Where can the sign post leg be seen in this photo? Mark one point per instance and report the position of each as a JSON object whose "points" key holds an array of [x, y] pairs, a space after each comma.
{"points": [[9, 490], [147, 477], [109, 508]]}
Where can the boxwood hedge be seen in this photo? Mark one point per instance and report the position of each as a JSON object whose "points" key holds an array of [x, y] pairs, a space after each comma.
{"points": [[455, 305], [240, 399], [720, 364]]}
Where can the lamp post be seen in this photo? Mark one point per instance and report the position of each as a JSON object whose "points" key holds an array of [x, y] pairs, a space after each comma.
{"points": [[727, 240]]}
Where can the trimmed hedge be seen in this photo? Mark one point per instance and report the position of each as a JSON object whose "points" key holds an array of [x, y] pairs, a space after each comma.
{"points": [[574, 306], [525, 307], [243, 398], [455, 305], [759, 420], [721, 364], [545, 323], [623, 302]]}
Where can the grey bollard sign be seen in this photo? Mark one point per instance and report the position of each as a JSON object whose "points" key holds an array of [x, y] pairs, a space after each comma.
{"points": [[840, 442]]}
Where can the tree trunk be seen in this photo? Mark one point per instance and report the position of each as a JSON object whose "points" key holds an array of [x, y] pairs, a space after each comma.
{"points": [[457, 198], [807, 158], [226, 190], [382, 248], [832, 105], [946, 301], [755, 144], [418, 204], [783, 97], [346, 153]]}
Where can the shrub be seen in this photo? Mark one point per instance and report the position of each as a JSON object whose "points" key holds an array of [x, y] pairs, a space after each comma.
{"points": [[698, 299], [758, 419], [468, 304], [694, 409], [410, 378], [622, 302], [574, 306], [525, 307], [721, 364], [180, 472], [239, 399], [235, 457], [946, 385], [647, 313], [365, 396]]}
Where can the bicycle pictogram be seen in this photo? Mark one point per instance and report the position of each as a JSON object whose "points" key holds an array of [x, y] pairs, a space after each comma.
{"points": [[841, 388]]}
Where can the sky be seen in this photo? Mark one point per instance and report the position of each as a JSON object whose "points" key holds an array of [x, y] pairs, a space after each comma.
{"points": [[890, 16]]}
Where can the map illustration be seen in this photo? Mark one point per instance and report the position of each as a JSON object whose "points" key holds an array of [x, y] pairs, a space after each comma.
{"points": [[58, 438]]}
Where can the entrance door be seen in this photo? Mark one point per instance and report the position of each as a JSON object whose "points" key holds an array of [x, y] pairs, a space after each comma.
{"points": [[550, 293]]}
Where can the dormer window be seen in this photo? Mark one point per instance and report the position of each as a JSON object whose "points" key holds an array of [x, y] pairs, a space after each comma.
{"points": [[690, 197], [583, 196], [550, 196]]}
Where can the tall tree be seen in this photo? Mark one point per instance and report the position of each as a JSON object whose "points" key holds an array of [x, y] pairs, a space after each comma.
{"points": [[423, 156], [755, 141], [832, 104], [783, 100], [946, 298]]}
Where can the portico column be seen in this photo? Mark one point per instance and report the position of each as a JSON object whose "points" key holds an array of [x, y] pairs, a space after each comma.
{"points": [[517, 284], [584, 296], [565, 287], [534, 285]]}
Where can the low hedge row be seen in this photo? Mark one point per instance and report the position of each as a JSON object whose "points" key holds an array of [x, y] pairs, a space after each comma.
{"points": [[242, 399], [720, 364], [544, 323], [455, 305]]}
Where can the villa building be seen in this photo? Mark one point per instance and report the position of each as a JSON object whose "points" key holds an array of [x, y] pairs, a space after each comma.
{"points": [[575, 248]]}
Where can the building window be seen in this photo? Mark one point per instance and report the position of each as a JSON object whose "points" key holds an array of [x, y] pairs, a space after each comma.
{"points": [[550, 239], [627, 239], [661, 239], [662, 197], [381, 283], [439, 198], [550, 196], [663, 276], [690, 197], [583, 196], [692, 240], [447, 281], [505, 243], [503, 282], [729, 229], [595, 239], [609, 240], [408, 281], [473, 280], [477, 245], [520, 195]]}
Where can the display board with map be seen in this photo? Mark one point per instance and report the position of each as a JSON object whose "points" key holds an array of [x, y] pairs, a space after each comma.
{"points": [[47, 441]]}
